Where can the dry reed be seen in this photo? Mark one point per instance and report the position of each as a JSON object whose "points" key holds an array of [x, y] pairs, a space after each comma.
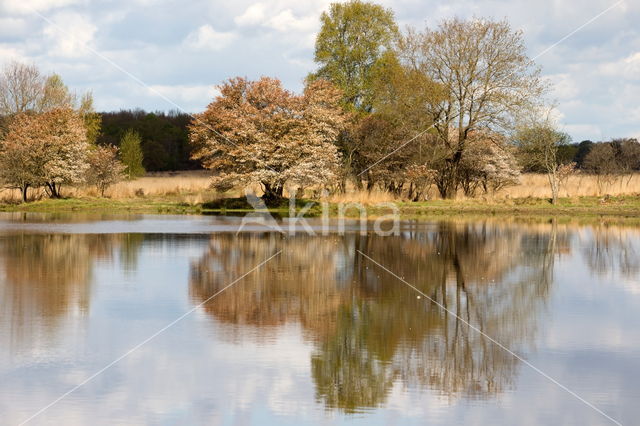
{"points": [[193, 187]]}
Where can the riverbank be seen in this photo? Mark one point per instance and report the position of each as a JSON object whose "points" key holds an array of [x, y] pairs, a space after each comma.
{"points": [[624, 206]]}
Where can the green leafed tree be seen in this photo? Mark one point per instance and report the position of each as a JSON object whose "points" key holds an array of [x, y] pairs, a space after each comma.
{"points": [[131, 154], [92, 119], [352, 39], [56, 94]]}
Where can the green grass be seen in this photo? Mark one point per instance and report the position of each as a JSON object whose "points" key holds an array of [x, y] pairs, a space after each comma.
{"points": [[156, 205], [624, 206]]}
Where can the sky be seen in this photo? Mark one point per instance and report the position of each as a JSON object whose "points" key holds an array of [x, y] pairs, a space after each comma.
{"points": [[170, 54]]}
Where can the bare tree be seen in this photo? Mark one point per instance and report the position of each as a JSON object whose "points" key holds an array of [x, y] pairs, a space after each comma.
{"points": [[601, 162], [538, 145], [21, 88], [609, 161], [487, 78]]}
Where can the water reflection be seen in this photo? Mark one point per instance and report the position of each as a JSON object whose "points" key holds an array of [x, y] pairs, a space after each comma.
{"points": [[369, 329], [365, 336], [612, 249], [46, 278]]}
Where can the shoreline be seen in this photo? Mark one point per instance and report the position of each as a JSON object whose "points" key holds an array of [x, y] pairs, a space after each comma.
{"points": [[620, 206]]}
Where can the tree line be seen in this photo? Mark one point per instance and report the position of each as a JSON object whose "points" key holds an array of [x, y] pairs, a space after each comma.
{"points": [[164, 137], [458, 107]]}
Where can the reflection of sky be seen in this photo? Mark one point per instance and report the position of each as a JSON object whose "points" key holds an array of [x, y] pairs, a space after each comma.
{"points": [[200, 371]]}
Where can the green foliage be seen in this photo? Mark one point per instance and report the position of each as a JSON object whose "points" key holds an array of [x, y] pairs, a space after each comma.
{"points": [[131, 154], [352, 39], [538, 147], [583, 149], [56, 94], [92, 120], [165, 144], [567, 153], [402, 92]]}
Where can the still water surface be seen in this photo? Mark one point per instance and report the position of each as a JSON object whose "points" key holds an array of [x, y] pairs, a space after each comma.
{"points": [[319, 334]]}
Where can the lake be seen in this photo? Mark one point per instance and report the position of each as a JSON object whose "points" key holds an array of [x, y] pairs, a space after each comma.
{"points": [[183, 320]]}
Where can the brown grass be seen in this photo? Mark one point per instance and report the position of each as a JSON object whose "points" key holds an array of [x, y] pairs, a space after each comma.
{"points": [[530, 186], [578, 185], [362, 197], [192, 187]]}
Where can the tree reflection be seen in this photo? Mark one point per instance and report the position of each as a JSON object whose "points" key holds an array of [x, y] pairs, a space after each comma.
{"points": [[370, 330], [612, 249], [46, 277]]}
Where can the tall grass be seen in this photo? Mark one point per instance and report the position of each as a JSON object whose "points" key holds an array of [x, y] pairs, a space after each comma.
{"points": [[578, 185], [193, 187]]}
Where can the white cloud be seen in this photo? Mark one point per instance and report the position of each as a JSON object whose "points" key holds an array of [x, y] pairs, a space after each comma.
{"points": [[254, 15], [8, 54], [70, 34], [628, 67], [286, 21], [11, 27], [30, 6], [206, 38], [281, 16], [564, 86], [186, 96], [582, 132]]}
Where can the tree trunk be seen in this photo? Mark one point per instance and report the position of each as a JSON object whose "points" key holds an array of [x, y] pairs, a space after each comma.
{"points": [[54, 191], [370, 184], [553, 183], [272, 194], [449, 185], [25, 188]]}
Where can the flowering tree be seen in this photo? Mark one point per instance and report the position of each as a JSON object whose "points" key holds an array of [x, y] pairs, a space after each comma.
{"points": [[48, 149], [488, 163], [105, 168], [258, 132], [22, 158]]}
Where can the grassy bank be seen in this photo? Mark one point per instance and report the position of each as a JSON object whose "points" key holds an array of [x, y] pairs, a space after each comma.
{"points": [[594, 206], [626, 206], [189, 193]]}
